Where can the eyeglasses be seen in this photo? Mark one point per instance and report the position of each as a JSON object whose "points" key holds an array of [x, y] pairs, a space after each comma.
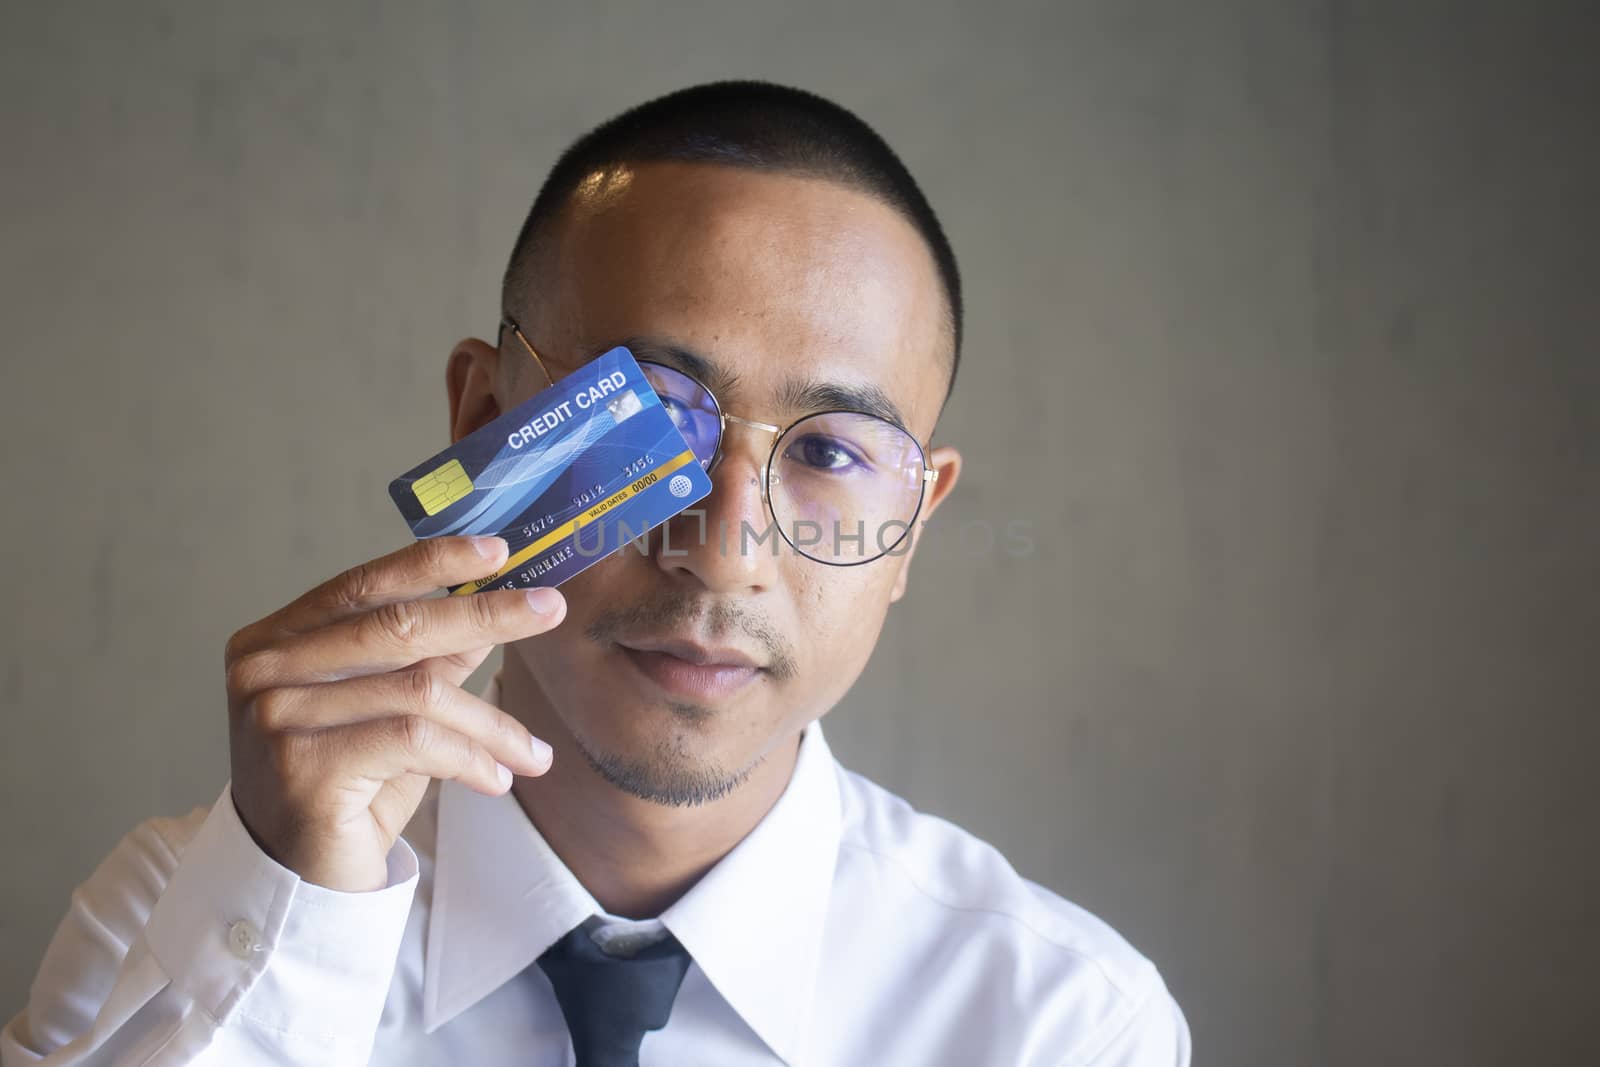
{"points": [[843, 487]]}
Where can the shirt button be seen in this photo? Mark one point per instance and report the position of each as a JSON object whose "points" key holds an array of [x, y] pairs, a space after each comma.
{"points": [[243, 938]]}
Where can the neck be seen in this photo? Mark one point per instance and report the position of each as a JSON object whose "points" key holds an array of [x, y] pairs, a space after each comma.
{"points": [[635, 856]]}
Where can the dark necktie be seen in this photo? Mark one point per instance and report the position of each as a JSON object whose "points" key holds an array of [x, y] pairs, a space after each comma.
{"points": [[610, 1001]]}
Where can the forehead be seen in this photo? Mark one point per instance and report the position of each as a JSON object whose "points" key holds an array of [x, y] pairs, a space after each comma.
{"points": [[773, 277]]}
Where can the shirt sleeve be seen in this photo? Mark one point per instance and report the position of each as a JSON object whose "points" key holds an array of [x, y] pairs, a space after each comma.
{"points": [[1155, 1034], [189, 945]]}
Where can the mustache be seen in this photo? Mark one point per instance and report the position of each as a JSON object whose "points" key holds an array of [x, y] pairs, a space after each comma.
{"points": [[670, 610]]}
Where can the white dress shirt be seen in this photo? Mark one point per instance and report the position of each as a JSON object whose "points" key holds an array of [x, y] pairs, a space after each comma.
{"points": [[846, 930]]}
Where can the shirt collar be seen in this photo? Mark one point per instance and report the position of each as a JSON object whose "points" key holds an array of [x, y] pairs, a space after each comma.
{"points": [[501, 896]]}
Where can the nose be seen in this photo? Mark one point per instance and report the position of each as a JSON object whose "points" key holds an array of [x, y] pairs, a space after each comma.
{"points": [[726, 542]]}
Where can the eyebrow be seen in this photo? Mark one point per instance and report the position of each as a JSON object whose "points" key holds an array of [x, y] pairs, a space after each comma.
{"points": [[814, 396], [804, 395], [718, 378]]}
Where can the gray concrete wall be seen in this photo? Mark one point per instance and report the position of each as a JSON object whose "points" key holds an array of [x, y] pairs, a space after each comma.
{"points": [[1282, 344]]}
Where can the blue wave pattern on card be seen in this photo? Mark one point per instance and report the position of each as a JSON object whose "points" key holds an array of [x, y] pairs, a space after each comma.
{"points": [[567, 477]]}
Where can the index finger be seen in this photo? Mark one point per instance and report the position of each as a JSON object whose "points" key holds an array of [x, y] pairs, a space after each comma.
{"points": [[407, 632], [404, 574]]}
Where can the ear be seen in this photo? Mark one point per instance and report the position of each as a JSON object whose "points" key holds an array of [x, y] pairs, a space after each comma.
{"points": [[947, 461], [471, 377]]}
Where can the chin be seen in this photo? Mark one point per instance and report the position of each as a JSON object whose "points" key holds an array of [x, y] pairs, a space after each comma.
{"points": [[653, 724], [657, 750]]}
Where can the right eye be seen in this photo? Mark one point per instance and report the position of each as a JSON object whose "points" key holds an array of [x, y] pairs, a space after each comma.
{"points": [[676, 408]]}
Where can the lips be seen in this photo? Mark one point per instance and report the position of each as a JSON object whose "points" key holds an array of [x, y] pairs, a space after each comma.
{"points": [[691, 671]]}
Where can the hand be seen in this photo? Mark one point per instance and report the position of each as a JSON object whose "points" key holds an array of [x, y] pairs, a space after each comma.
{"points": [[343, 704]]}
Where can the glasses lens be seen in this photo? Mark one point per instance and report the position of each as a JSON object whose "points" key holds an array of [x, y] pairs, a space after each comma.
{"points": [[694, 410], [845, 487]]}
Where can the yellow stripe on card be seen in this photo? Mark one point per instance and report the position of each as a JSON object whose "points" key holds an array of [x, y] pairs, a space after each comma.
{"points": [[584, 518]]}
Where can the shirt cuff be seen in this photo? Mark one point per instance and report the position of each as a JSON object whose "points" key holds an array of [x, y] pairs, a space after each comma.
{"points": [[242, 935]]}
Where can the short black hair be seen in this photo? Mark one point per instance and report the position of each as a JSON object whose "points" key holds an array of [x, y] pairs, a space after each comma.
{"points": [[756, 125]]}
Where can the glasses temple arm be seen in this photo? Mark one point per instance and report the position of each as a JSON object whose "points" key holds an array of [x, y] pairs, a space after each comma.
{"points": [[509, 323]]}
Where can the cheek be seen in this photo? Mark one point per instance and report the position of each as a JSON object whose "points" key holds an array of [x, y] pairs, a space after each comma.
{"points": [[839, 612], [564, 657]]}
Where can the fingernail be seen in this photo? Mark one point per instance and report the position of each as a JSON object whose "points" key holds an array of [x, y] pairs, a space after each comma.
{"points": [[544, 600], [489, 547], [505, 775], [542, 752]]}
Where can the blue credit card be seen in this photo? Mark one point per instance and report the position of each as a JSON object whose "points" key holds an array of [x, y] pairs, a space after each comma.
{"points": [[567, 478]]}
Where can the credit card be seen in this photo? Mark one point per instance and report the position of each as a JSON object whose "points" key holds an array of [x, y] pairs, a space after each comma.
{"points": [[567, 478]]}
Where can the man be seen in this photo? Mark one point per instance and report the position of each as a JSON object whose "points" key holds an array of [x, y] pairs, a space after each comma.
{"points": [[635, 846]]}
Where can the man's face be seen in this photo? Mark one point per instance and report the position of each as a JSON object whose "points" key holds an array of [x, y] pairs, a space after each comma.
{"points": [[678, 668]]}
